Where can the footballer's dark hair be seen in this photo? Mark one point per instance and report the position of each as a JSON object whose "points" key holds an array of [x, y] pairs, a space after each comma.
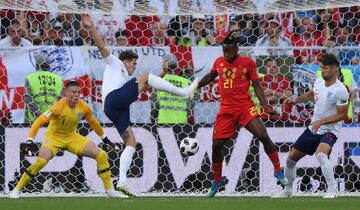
{"points": [[128, 55], [232, 37], [329, 59], [72, 84]]}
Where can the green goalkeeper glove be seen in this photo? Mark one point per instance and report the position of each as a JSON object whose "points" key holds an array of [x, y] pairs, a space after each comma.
{"points": [[110, 144], [29, 148]]}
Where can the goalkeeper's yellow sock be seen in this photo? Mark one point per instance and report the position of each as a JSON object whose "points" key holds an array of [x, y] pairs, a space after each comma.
{"points": [[104, 169], [30, 172]]}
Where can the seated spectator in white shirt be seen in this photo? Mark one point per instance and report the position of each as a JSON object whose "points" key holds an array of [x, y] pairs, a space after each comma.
{"points": [[273, 38], [122, 38], [13, 39], [108, 25]]}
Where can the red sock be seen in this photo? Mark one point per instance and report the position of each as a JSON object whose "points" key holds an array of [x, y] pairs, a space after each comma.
{"points": [[217, 168], [274, 157]]}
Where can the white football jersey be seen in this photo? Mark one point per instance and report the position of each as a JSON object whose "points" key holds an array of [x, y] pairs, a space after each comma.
{"points": [[327, 99], [115, 75]]}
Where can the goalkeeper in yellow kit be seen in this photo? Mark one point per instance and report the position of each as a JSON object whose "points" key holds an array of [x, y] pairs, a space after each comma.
{"points": [[64, 117]]}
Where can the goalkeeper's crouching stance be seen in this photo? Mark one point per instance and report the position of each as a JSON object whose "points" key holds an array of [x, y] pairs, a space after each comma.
{"points": [[64, 117]]}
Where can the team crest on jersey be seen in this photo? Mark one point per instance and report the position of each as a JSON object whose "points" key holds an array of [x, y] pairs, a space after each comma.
{"points": [[229, 73], [329, 94], [80, 115]]}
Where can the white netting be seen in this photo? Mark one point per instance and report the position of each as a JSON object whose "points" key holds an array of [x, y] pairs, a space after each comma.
{"points": [[285, 44]]}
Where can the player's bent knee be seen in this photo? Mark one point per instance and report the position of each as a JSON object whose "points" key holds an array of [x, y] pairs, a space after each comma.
{"points": [[295, 155], [45, 153], [101, 155]]}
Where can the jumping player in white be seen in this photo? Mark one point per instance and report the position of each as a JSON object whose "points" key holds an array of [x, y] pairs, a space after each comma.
{"points": [[119, 92], [331, 106]]}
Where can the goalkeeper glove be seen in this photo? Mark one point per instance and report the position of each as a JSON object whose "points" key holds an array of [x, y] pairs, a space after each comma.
{"points": [[110, 144], [29, 148]]}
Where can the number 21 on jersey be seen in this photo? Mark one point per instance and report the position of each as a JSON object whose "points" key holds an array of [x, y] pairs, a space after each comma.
{"points": [[228, 83]]}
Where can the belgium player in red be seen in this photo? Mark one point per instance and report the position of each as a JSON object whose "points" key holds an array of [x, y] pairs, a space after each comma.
{"points": [[235, 75]]}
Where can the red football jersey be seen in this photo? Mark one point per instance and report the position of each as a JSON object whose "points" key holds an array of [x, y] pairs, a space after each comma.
{"points": [[234, 80]]}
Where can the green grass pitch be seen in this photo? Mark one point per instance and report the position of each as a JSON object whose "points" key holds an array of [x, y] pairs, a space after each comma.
{"points": [[182, 203]]}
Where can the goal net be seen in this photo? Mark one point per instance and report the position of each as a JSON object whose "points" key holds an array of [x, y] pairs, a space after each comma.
{"points": [[284, 37]]}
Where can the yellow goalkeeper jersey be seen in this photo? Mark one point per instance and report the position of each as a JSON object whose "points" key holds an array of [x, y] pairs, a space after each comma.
{"points": [[64, 120]]}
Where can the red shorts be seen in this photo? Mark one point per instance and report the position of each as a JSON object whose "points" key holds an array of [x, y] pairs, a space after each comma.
{"points": [[227, 120]]}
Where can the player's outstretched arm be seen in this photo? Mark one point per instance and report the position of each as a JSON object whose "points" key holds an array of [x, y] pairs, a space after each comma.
{"points": [[43, 119], [341, 114], [40, 121], [207, 79], [303, 98], [89, 25], [259, 91]]}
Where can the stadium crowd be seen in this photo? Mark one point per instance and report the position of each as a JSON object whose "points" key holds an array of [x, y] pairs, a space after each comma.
{"points": [[331, 27]]}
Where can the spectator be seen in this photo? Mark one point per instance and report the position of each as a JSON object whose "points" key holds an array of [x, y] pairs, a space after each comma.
{"points": [[355, 61], [84, 39], [42, 89], [262, 28], [7, 16], [56, 34], [307, 14], [68, 22], [308, 36], [38, 25], [171, 109], [138, 28], [198, 35], [14, 36], [122, 38], [249, 35], [179, 27], [326, 24], [159, 37], [273, 38], [108, 25], [13, 39], [344, 38], [276, 88]]}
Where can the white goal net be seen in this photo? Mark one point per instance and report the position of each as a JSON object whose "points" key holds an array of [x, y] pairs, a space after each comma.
{"points": [[284, 37]]}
